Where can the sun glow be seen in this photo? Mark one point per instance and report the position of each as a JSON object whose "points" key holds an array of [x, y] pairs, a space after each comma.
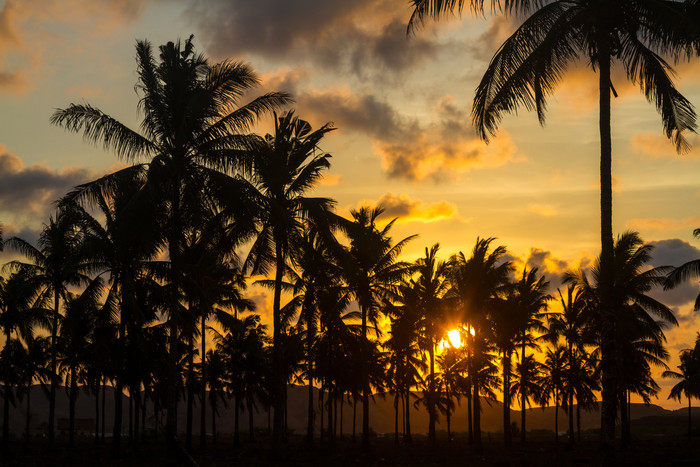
{"points": [[455, 338]]}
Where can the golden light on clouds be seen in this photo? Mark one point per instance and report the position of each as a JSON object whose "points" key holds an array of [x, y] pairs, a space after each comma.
{"points": [[408, 209], [545, 210], [656, 144], [663, 224]]}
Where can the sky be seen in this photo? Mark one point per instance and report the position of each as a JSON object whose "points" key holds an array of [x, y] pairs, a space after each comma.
{"points": [[401, 105]]}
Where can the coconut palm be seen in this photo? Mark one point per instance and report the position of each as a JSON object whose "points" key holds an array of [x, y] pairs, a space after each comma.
{"points": [[431, 284], [287, 166], [478, 283], [685, 272], [552, 383], [193, 137], [19, 315], [689, 376], [55, 265], [526, 387], [531, 62], [371, 270]]}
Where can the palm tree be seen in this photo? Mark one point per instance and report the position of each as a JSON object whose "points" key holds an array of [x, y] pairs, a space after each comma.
{"points": [[478, 283], [286, 167], [685, 272], [193, 131], [371, 271], [689, 376], [431, 285], [527, 375], [638, 319], [531, 301], [529, 64], [552, 384], [19, 315], [55, 265], [506, 331]]}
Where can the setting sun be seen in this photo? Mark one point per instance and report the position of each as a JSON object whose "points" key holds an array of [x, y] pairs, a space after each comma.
{"points": [[454, 338]]}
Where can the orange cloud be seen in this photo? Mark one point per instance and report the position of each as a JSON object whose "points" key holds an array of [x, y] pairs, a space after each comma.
{"points": [[657, 145], [545, 210], [330, 180], [663, 224], [407, 209]]}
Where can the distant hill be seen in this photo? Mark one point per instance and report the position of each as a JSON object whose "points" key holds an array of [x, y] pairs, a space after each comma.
{"points": [[381, 415]]}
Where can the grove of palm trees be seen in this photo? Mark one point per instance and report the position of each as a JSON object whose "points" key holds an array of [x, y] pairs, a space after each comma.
{"points": [[136, 318]]}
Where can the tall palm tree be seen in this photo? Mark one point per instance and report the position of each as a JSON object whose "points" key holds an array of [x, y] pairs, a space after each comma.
{"points": [[431, 283], [689, 376], [371, 270], [286, 166], [638, 320], [193, 136], [478, 283], [552, 385], [531, 301], [55, 265], [531, 62]]}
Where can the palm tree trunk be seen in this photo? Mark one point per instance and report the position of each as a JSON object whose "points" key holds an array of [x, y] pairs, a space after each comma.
{"points": [[236, 412], [396, 418], [556, 417], [365, 381], [6, 403], [251, 428], [354, 417], [320, 403], [431, 396], [523, 395], [607, 362], [190, 392], [28, 415], [203, 409], [277, 370], [470, 418], [409, 439], [137, 412], [624, 421], [54, 376], [309, 370], [449, 411], [690, 420], [104, 398], [507, 435], [578, 420], [342, 402], [477, 419], [97, 411], [173, 338], [573, 373], [71, 407], [213, 420]]}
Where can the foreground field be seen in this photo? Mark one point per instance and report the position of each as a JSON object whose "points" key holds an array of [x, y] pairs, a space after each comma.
{"points": [[539, 451]]}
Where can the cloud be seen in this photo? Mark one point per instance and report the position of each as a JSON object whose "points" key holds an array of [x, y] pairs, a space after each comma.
{"points": [[443, 149], [330, 179], [544, 210], [27, 193], [675, 252], [407, 209], [657, 145], [28, 28], [553, 268], [358, 37], [663, 224]]}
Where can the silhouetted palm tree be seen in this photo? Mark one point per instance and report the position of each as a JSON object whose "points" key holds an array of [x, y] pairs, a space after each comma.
{"points": [[689, 374], [55, 265], [552, 384], [286, 166], [685, 272], [478, 283], [19, 314], [371, 270], [193, 138], [531, 62]]}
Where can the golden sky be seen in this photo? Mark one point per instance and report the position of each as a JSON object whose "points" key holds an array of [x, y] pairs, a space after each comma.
{"points": [[401, 105]]}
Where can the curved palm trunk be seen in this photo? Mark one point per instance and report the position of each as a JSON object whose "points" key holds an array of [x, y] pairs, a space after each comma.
{"points": [[607, 362], [203, 408], [431, 396], [54, 376], [277, 380], [507, 435]]}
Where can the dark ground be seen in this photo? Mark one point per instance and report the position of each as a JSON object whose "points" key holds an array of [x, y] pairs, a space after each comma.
{"points": [[540, 450]]}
